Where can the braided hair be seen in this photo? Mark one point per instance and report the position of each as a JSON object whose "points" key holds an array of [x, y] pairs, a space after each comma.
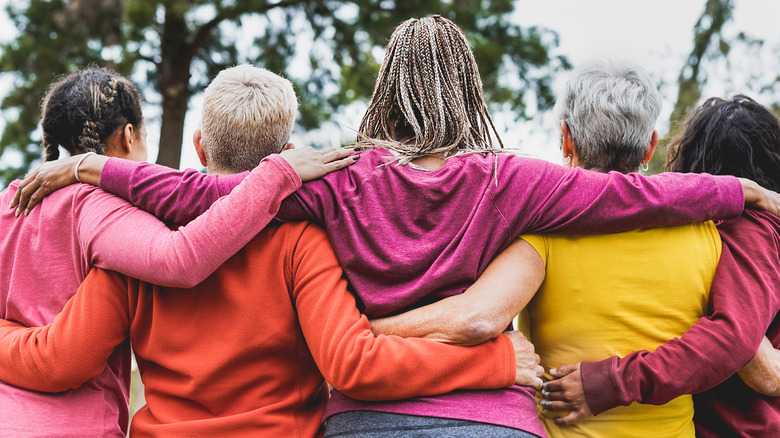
{"points": [[428, 96], [82, 109], [737, 137]]}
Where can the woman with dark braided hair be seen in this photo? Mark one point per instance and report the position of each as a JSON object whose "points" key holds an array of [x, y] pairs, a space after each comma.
{"points": [[47, 253], [430, 203]]}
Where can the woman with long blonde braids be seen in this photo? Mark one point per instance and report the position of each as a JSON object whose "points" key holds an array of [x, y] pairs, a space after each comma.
{"points": [[430, 203]]}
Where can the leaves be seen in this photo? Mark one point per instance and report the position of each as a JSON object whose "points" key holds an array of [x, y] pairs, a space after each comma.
{"points": [[331, 50]]}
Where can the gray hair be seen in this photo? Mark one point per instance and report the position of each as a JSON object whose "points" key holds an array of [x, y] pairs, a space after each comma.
{"points": [[610, 108]]}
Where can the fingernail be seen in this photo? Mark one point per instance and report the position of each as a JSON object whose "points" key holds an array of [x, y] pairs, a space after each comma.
{"points": [[553, 370], [356, 156], [544, 386]]}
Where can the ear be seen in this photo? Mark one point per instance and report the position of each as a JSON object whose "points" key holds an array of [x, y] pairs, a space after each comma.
{"points": [[287, 147], [567, 143], [197, 140], [651, 148], [127, 138]]}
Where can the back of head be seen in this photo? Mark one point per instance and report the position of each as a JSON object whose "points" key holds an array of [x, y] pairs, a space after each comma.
{"points": [[82, 109], [736, 137], [248, 113], [428, 95], [610, 108]]}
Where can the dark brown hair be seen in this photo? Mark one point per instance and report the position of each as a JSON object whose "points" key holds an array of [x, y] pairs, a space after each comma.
{"points": [[736, 137], [82, 109]]}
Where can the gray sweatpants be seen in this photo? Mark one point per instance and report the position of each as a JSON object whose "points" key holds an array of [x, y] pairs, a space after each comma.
{"points": [[385, 425]]}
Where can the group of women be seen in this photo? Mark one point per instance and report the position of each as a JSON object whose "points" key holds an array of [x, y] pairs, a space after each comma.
{"points": [[418, 218]]}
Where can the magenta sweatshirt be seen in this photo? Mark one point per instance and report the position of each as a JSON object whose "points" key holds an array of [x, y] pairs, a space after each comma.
{"points": [[406, 236], [47, 255]]}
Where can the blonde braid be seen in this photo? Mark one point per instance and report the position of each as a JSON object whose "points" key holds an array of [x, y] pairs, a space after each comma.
{"points": [[428, 97]]}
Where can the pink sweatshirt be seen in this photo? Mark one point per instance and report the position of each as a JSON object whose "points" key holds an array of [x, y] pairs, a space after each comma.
{"points": [[47, 255], [406, 236]]}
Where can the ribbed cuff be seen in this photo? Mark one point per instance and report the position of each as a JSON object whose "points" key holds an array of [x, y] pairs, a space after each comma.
{"points": [[731, 201], [601, 392], [290, 174], [115, 177]]}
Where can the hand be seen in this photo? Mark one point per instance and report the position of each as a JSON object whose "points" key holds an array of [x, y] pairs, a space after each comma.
{"points": [[566, 393], [310, 163], [760, 198], [52, 176], [528, 372]]}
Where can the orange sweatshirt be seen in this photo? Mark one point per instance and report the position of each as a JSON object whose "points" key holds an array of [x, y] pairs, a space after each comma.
{"points": [[243, 353]]}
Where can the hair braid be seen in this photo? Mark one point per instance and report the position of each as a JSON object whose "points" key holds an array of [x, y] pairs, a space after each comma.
{"points": [[428, 97], [51, 150], [82, 109]]}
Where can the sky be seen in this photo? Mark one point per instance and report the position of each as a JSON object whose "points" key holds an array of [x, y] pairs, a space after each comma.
{"points": [[656, 34]]}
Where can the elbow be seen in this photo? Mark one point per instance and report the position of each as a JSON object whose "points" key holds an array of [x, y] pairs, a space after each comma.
{"points": [[478, 327]]}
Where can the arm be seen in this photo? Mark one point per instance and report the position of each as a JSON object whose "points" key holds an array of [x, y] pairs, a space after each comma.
{"points": [[172, 195], [762, 373], [562, 200], [365, 367], [743, 301], [483, 311], [114, 235], [74, 348]]}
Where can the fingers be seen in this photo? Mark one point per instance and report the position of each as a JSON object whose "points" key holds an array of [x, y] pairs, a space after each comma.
{"points": [[24, 192], [556, 405], [570, 419], [340, 164], [563, 370]]}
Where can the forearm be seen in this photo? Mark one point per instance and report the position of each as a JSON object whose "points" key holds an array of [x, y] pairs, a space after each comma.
{"points": [[579, 201], [366, 367], [169, 194], [743, 304], [483, 311], [762, 373], [138, 245], [74, 348]]}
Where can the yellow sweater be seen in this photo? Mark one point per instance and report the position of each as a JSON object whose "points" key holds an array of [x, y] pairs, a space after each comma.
{"points": [[616, 293]]}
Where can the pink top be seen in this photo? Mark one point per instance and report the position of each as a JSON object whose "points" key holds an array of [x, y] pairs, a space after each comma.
{"points": [[406, 236], [48, 254]]}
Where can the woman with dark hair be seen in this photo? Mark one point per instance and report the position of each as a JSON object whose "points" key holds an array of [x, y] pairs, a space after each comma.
{"points": [[48, 253], [740, 137], [729, 137], [432, 201]]}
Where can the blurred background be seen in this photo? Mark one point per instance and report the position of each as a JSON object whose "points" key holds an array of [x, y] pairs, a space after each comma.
{"points": [[331, 50]]}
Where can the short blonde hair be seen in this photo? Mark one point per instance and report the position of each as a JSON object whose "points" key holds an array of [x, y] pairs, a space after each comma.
{"points": [[248, 113]]}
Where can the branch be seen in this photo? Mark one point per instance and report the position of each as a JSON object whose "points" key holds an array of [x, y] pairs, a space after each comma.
{"points": [[204, 31]]}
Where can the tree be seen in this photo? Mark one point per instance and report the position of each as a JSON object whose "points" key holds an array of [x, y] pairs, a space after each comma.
{"points": [[717, 51], [181, 44]]}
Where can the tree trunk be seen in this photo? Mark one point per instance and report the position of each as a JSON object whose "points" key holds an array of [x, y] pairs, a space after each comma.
{"points": [[174, 74]]}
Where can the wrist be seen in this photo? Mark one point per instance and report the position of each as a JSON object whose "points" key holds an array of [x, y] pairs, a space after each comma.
{"points": [[751, 191], [90, 168]]}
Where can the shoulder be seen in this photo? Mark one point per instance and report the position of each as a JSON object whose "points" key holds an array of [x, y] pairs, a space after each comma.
{"points": [[751, 228]]}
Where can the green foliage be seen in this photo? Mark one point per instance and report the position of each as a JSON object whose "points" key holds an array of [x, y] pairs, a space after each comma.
{"points": [[330, 49], [708, 41]]}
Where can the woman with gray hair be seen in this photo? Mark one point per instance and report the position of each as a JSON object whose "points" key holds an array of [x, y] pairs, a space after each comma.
{"points": [[597, 295]]}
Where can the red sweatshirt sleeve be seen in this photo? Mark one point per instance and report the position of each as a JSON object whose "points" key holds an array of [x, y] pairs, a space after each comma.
{"points": [[365, 367], [744, 299], [76, 346]]}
